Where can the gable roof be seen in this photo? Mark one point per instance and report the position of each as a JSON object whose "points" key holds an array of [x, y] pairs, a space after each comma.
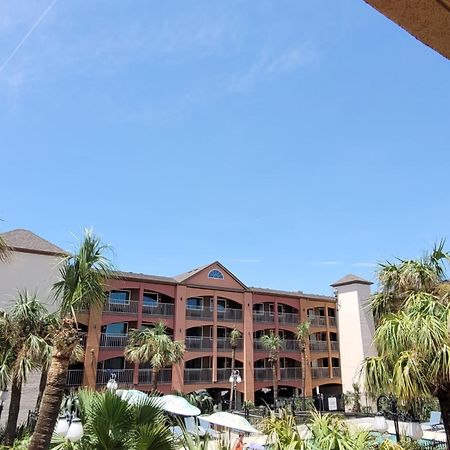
{"points": [[350, 279], [26, 241], [187, 275]]}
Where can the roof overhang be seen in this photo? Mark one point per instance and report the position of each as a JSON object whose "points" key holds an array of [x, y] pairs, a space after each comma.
{"points": [[426, 20]]}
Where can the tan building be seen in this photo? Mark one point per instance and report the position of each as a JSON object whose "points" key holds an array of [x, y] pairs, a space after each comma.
{"points": [[201, 307], [33, 266]]}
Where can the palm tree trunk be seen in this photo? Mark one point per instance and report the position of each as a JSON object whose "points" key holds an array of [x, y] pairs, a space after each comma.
{"points": [[443, 396], [275, 384], [304, 377], [233, 363], [42, 384], [13, 414], [155, 378], [64, 342], [51, 403]]}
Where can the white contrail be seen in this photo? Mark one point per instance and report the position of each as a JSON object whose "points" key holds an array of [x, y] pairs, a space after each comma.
{"points": [[27, 35]]}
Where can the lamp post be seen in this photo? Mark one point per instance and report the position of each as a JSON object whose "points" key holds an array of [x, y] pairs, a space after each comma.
{"points": [[69, 424], [112, 383], [235, 378], [3, 398]]}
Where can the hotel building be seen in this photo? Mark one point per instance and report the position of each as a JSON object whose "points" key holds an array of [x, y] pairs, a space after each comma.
{"points": [[200, 308]]}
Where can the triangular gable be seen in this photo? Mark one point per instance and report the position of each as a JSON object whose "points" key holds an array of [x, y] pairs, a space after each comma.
{"points": [[211, 275]]}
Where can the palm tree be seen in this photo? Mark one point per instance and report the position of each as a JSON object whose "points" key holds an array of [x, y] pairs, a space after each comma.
{"points": [[24, 332], [272, 343], [302, 336], [81, 286], [112, 423], [154, 346], [234, 337], [412, 334]]}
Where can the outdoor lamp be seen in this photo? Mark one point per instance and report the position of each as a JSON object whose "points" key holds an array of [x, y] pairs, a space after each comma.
{"points": [[112, 383], [75, 432], [62, 426], [380, 423], [414, 430]]}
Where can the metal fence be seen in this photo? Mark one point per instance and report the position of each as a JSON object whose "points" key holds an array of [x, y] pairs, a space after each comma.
{"points": [[198, 343], [192, 376], [158, 309], [121, 308], [230, 314]]}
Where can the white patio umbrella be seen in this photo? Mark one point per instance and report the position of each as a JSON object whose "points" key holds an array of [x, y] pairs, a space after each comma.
{"points": [[134, 396], [178, 405], [229, 420]]}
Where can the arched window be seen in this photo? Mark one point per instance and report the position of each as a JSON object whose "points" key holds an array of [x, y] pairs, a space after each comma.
{"points": [[216, 274]]}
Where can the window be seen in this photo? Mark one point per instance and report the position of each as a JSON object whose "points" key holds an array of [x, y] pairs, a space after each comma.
{"points": [[221, 332], [113, 364], [115, 328], [119, 297], [151, 299], [194, 303], [221, 304], [280, 309], [258, 308], [215, 274]]}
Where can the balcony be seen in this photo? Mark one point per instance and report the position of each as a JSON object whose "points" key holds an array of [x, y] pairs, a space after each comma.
{"points": [[121, 308], [74, 378], [337, 372], [199, 343], [113, 340], [290, 345], [223, 344], [193, 376], [263, 373], [199, 313], [158, 309], [291, 373], [123, 376], [318, 346], [317, 321], [229, 314], [334, 345], [288, 318], [164, 376], [263, 317], [332, 321], [320, 372], [82, 336]]}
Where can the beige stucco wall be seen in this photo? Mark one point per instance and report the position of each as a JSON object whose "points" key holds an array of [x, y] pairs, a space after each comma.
{"points": [[36, 273], [356, 328]]}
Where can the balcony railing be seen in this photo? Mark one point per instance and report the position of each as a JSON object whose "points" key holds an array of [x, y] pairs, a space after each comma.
{"points": [[224, 344], [230, 314], [291, 373], [198, 343], [317, 321], [121, 308], [200, 313], [164, 376], [290, 345], [257, 345], [318, 346], [320, 372], [332, 321], [192, 376], [334, 345], [224, 374], [123, 376], [336, 372], [113, 340], [158, 309], [291, 318], [263, 373], [263, 317], [74, 377]]}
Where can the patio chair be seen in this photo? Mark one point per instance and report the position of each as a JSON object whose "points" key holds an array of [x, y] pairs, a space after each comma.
{"points": [[193, 428], [209, 429], [435, 421]]}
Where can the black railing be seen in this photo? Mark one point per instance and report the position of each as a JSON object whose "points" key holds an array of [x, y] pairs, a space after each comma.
{"points": [[192, 376]]}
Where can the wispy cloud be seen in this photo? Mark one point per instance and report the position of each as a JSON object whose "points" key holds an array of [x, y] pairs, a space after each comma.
{"points": [[364, 264], [272, 65], [327, 263]]}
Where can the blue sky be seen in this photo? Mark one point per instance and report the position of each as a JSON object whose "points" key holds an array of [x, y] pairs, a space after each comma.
{"points": [[293, 141]]}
